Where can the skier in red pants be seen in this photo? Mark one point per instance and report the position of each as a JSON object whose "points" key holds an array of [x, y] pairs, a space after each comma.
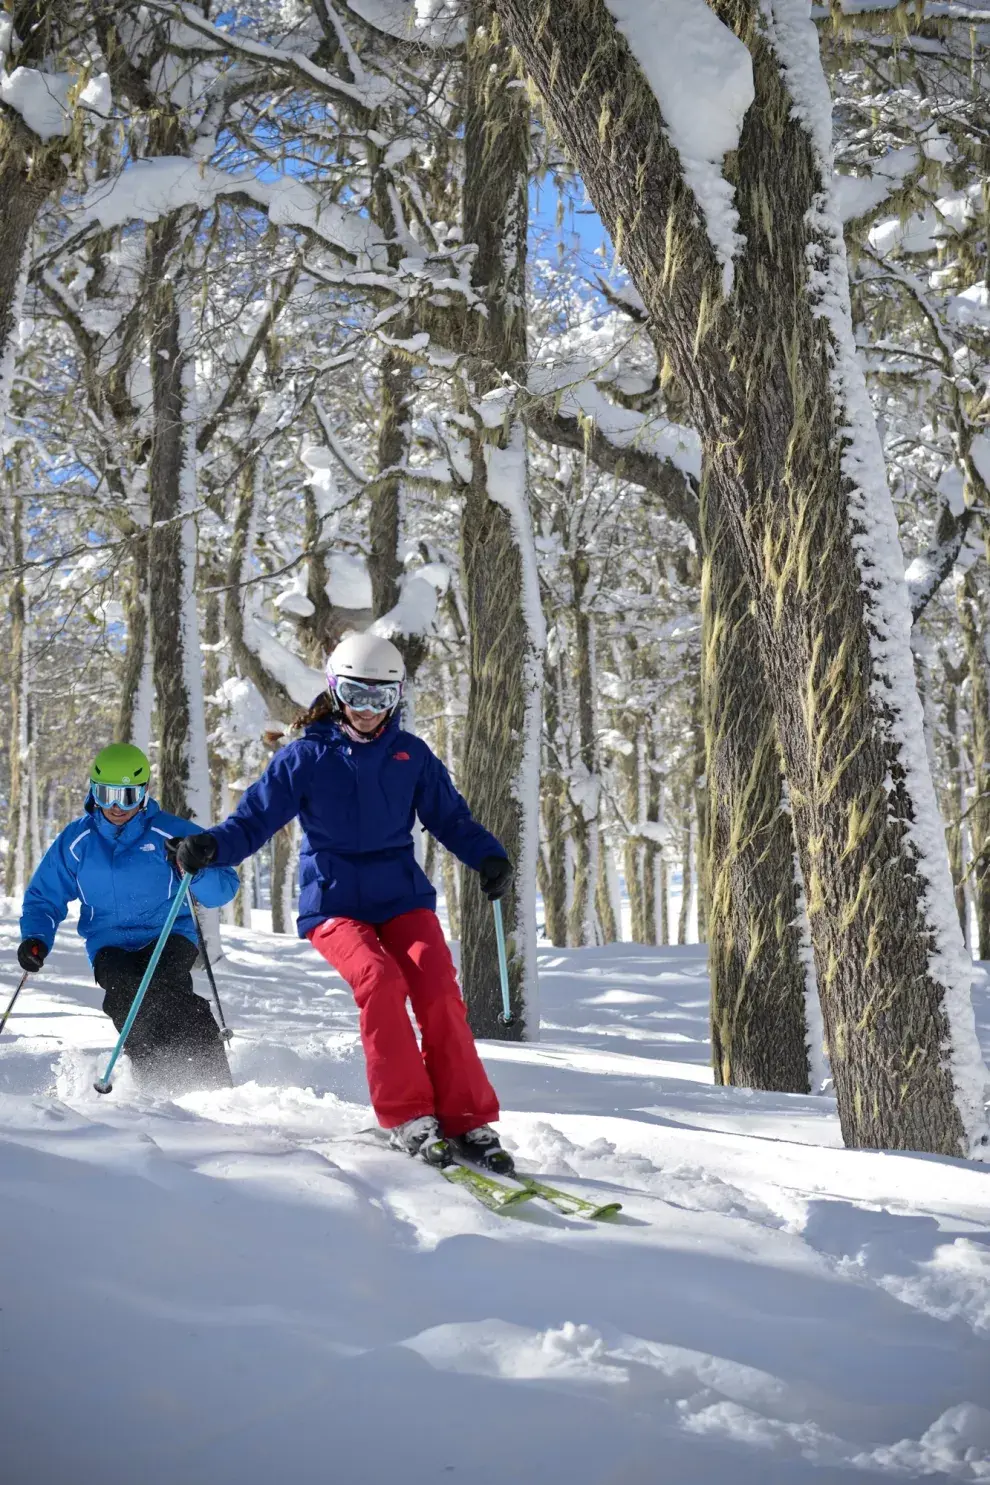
{"points": [[357, 782]]}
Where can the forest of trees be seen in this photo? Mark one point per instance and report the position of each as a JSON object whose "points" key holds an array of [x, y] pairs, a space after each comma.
{"points": [[681, 527]]}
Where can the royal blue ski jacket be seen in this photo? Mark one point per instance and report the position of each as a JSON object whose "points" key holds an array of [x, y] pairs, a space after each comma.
{"points": [[121, 876], [357, 803]]}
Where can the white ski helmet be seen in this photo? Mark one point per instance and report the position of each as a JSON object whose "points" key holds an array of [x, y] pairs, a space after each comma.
{"points": [[366, 657]]}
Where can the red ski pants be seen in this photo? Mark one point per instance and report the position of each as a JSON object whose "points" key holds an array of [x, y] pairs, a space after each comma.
{"points": [[384, 964]]}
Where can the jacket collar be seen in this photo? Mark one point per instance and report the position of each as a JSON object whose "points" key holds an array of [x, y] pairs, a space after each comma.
{"points": [[123, 834], [330, 729]]}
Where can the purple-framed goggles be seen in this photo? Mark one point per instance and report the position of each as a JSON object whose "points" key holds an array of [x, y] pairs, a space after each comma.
{"points": [[367, 696], [124, 796]]}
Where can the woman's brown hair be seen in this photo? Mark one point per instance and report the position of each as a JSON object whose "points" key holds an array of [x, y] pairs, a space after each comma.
{"points": [[322, 707]]}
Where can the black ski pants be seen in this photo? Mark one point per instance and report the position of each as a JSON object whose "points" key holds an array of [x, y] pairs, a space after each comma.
{"points": [[174, 1044]]}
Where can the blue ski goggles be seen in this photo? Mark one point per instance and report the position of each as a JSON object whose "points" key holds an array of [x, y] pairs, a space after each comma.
{"points": [[125, 796], [368, 696]]}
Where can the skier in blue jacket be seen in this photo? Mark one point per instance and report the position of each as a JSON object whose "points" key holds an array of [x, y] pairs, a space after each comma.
{"points": [[357, 783], [117, 860]]}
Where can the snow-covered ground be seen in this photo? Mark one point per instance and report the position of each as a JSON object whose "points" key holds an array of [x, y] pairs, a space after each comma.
{"points": [[233, 1290]]}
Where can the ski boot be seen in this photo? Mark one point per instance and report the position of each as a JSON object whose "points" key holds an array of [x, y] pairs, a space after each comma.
{"points": [[421, 1137], [481, 1146]]}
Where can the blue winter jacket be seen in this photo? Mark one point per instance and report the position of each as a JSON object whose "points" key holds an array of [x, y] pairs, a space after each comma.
{"points": [[357, 803], [122, 877]]}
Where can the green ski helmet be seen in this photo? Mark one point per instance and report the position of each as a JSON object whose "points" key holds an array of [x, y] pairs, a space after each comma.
{"points": [[120, 775]]}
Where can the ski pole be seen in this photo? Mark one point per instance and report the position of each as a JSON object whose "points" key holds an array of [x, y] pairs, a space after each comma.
{"points": [[503, 966], [104, 1085], [12, 999], [209, 971]]}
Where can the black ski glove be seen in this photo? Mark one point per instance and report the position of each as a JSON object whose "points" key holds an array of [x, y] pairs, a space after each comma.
{"points": [[191, 853], [496, 874], [31, 954]]}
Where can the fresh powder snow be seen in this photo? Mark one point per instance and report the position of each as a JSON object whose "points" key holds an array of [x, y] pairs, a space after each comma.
{"points": [[242, 1286]]}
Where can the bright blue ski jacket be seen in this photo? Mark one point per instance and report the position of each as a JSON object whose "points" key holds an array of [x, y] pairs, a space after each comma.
{"points": [[357, 803], [121, 876]]}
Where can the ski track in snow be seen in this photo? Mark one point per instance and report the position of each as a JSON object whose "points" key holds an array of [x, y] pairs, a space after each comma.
{"points": [[240, 1286]]}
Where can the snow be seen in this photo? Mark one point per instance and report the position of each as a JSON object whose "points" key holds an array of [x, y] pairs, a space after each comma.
{"points": [[979, 451], [237, 1287], [300, 680], [702, 76], [971, 307], [415, 611], [854, 195], [293, 599], [876, 543], [349, 583], [41, 99]]}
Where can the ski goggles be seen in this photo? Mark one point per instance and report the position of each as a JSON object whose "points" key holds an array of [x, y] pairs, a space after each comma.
{"points": [[125, 796], [368, 696]]}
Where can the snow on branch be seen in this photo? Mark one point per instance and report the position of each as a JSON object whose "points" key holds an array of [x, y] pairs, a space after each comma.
{"points": [[658, 455], [150, 189], [856, 196], [926, 574], [46, 101], [373, 94], [415, 612], [437, 24]]}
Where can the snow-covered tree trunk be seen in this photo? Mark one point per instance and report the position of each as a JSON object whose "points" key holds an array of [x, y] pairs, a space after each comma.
{"points": [[972, 621], [954, 801], [501, 764], [32, 169], [606, 894], [20, 862], [183, 772], [585, 783], [744, 280], [135, 703], [633, 851]]}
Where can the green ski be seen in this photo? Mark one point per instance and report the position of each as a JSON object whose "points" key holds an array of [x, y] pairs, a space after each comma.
{"points": [[496, 1195], [566, 1202]]}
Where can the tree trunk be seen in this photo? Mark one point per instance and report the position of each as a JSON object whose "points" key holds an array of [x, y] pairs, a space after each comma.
{"points": [[19, 862], [502, 740], [608, 916], [630, 770], [687, 860], [585, 783], [764, 350], [136, 699], [759, 1031], [283, 861], [972, 621], [31, 171], [176, 660], [385, 517], [552, 791], [954, 802]]}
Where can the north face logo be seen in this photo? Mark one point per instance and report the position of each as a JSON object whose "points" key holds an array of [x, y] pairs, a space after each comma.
{"points": [[150, 847], [401, 757]]}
